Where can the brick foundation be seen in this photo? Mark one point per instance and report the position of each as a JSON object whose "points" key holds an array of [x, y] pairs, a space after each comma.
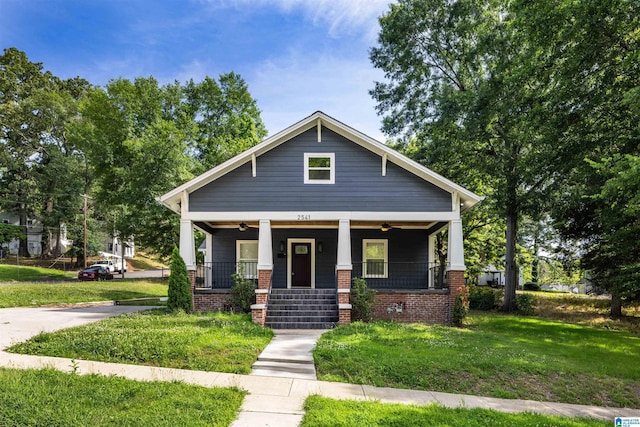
{"points": [[455, 279], [211, 300], [429, 306]]}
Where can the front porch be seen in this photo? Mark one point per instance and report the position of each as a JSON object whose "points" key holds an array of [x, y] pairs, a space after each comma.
{"points": [[399, 264]]}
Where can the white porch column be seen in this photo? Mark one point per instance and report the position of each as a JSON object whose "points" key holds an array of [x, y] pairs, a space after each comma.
{"points": [[208, 258], [344, 245], [431, 251], [187, 244], [265, 246], [456, 246]]}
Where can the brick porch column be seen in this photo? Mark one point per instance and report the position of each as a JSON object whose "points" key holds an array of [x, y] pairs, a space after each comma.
{"points": [[344, 292], [265, 269], [455, 279], [455, 267], [343, 271]]}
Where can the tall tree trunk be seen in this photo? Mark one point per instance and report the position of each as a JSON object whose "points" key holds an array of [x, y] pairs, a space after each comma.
{"points": [[23, 249], [616, 305], [511, 271]]}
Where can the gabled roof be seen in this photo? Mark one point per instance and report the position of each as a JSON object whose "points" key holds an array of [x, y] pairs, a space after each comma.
{"points": [[467, 198]]}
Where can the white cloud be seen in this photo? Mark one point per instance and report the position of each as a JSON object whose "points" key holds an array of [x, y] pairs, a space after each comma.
{"points": [[292, 87], [342, 17]]}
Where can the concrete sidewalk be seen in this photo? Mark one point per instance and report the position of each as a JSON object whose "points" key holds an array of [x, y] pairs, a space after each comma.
{"points": [[282, 399], [275, 400]]}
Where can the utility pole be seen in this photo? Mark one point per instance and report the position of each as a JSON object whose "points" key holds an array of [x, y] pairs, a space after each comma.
{"points": [[85, 197]]}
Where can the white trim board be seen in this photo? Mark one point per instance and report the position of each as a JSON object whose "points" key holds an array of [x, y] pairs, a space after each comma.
{"points": [[302, 217], [313, 260]]}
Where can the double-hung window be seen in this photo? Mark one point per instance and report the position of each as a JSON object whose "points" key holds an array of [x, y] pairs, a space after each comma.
{"points": [[247, 258], [375, 258], [319, 168]]}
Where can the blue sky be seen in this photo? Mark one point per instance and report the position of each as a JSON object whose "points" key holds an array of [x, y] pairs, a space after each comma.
{"points": [[297, 56]]}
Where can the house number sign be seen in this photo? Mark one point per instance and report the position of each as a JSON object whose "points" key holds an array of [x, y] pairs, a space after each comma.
{"points": [[304, 217]]}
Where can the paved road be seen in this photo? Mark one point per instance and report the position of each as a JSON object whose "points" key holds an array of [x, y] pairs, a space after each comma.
{"points": [[144, 274]]}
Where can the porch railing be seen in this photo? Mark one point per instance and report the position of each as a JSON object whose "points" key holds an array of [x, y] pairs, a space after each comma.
{"points": [[401, 275], [217, 275]]}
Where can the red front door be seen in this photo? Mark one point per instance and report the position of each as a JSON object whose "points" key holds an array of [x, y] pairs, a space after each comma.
{"points": [[301, 265]]}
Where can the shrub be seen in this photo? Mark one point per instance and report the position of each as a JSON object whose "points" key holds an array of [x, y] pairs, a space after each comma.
{"points": [[531, 286], [526, 304], [483, 298], [362, 299], [179, 291], [243, 292], [461, 307]]}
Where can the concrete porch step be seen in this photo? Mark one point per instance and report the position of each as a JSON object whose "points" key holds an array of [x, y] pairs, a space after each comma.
{"points": [[301, 325]]}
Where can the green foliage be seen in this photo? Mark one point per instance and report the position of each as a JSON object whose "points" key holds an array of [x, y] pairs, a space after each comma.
{"points": [[496, 355], [362, 299], [526, 304], [460, 309], [243, 292], [323, 411], [10, 232], [531, 286], [483, 298], [180, 297], [50, 397], [219, 342], [39, 294], [35, 109]]}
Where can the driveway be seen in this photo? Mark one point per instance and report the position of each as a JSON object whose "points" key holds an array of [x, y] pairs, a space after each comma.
{"points": [[20, 324]]}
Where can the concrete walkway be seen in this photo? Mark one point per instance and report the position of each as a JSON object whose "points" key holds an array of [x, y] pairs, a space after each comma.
{"points": [[272, 400]]}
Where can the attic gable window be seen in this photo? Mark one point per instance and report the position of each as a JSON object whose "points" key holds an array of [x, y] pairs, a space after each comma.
{"points": [[319, 168]]}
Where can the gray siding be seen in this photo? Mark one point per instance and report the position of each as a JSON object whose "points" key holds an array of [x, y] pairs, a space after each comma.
{"points": [[359, 184]]}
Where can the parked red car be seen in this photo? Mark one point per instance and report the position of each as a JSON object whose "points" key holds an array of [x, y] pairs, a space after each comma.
{"points": [[95, 273]]}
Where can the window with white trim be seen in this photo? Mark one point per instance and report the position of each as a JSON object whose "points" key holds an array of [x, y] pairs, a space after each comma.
{"points": [[375, 258], [319, 168], [247, 258]]}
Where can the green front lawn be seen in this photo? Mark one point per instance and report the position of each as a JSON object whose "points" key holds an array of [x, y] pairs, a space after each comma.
{"points": [[497, 355], [220, 342], [52, 398], [324, 412], [14, 273], [38, 294]]}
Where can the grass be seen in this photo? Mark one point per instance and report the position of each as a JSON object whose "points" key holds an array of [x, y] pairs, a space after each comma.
{"points": [[52, 398], [40, 294], [586, 310], [14, 273], [220, 342], [325, 412], [143, 261], [497, 355]]}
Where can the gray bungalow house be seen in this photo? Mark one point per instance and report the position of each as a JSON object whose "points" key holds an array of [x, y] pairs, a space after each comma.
{"points": [[312, 207]]}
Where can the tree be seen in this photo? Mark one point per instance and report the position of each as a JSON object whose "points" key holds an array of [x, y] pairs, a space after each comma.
{"points": [[179, 285], [592, 58], [23, 87], [143, 139], [39, 168], [466, 81], [227, 119]]}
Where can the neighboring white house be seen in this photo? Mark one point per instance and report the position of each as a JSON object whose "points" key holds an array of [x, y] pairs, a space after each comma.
{"points": [[494, 276], [113, 245], [34, 230]]}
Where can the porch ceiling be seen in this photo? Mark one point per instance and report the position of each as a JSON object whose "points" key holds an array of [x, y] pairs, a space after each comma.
{"points": [[409, 225]]}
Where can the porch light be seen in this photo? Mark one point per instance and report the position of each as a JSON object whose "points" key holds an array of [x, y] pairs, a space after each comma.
{"points": [[320, 247], [281, 245], [385, 227], [242, 226]]}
